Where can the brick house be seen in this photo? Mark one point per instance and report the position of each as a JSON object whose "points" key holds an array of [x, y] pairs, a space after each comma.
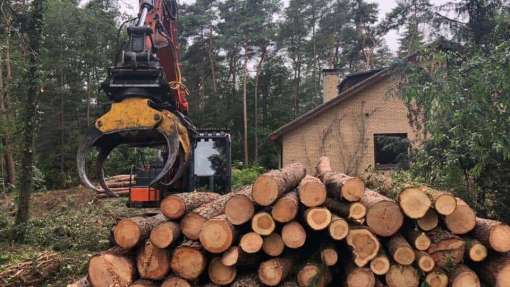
{"points": [[350, 126]]}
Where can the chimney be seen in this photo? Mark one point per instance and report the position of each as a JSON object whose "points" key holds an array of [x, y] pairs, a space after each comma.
{"points": [[330, 83]]}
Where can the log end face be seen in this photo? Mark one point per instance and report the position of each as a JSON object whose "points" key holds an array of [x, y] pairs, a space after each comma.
{"points": [[364, 244], [318, 218], [361, 277], [239, 209], [191, 224], [426, 263], [466, 279], [404, 256], [357, 211], [216, 236], [188, 262], [399, 276], [127, 234], [308, 274], [353, 189], [271, 272], [414, 202], [221, 274], [478, 252], [329, 256], [338, 229], [500, 238], [462, 220], [273, 245], [174, 281], [263, 223], [108, 269], [265, 190], [162, 236], [385, 218], [422, 242], [153, 263], [503, 276], [429, 221], [437, 279], [251, 242], [380, 265], [312, 193], [445, 204], [293, 235], [173, 207], [284, 210]]}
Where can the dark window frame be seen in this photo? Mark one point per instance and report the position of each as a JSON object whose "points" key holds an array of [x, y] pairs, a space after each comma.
{"points": [[386, 166]]}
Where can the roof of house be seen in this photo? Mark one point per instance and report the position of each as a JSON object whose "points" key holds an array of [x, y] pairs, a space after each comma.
{"points": [[355, 84]]}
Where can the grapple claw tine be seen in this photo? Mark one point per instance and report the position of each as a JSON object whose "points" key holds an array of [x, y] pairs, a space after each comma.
{"points": [[172, 145], [83, 151], [101, 158]]}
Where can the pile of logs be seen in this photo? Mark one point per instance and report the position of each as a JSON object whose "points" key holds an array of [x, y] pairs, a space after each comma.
{"points": [[118, 184], [293, 229]]}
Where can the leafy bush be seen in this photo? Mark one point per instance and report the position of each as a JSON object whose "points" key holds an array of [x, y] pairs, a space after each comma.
{"points": [[245, 176]]}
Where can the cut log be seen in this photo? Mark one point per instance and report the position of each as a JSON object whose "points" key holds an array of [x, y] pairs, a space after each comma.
{"points": [[384, 216], [352, 210], [111, 268], [437, 278], [462, 220], [414, 202], [293, 235], [318, 218], [286, 208], [120, 177], [339, 185], [273, 184], [429, 221], [444, 202], [153, 263], [402, 276], [365, 245], [251, 242], [493, 234], [248, 280], [380, 265], [311, 191], [464, 277], [446, 248], [131, 231], [418, 239], [263, 223], [273, 245], [495, 270], [274, 271], [217, 234], [400, 250], [191, 223], [188, 261], [165, 234], [424, 261], [239, 209], [360, 277], [313, 275], [221, 274], [329, 255], [176, 205], [174, 281], [338, 228], [143, 283], [82, 282], [475, 250], [231, 256]]}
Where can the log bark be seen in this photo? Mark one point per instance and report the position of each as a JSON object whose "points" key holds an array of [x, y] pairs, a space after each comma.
{"points": [[263, 223], [143, 283], [312, 274], [464, 277], [192, 222], [131, 231], [437, 278], [221, 274], [360, 277], [475, 250], [495, 270], [402, 276], [188, 260], [443, 202], [217, 234], [384, 217], [318, 218], [251, 242], [339, 185], [273, 184], [429, 221], [274, 271], [293, 235], [165, 234], [400, 250], [352, 210], [338, 228], [152, 262], [365, 245], [111, 268], [174, 281], [239, 209], [462, 220], [82, 282], [446, 248], [286, 208], [493, 234], [176, 205], [273, 245], [381, 264], [418, 239], [311, 191], [424, 261], [414, 202]]}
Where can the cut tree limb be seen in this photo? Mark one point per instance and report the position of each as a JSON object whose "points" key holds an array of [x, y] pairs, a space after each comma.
{"points": [[365, 245], [339, 185], [176, 205], [384, 216], [493, 234], [273, 184]]}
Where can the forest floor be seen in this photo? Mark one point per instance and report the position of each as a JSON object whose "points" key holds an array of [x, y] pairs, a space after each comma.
{"points": [[70, 222]]}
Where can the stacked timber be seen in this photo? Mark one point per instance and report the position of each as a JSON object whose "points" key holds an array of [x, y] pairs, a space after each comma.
{"points": [[118, 184], [294, 229]]}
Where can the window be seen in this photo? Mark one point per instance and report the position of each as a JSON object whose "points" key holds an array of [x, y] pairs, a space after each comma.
{"points": [[391, 151]]}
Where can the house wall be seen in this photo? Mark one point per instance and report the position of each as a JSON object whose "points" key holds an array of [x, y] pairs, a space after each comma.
{"points": [[345, 133]]}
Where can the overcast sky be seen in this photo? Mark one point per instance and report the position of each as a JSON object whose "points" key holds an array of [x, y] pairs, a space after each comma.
{"points": [[385, 6]]}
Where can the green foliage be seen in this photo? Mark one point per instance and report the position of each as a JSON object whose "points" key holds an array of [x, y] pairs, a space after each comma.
{"points": [[245, 176]]}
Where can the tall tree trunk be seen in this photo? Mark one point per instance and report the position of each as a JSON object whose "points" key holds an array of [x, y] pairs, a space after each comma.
{"points": [[245, 110], [89, 92], [255, 107], [297, 88], [29, 114], [212, 62], [61, 126]]}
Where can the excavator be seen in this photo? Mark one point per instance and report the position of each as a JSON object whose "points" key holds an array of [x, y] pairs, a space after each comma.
{"points": [[149, 109]]}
